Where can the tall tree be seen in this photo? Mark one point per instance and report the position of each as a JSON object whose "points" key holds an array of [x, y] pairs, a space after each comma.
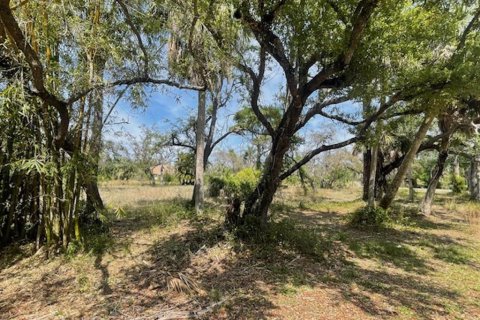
{"points": [[329, 54], [66, 62]]}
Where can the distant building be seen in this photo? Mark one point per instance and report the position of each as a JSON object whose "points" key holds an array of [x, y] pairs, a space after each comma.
{"points": [[159, 171]]}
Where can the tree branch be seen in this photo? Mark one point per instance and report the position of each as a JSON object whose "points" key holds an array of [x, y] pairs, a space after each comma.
{"points": [[317, 109], [472, 24], [360, 20], [128, 19], [115, 104], [131, 81], [177, 143], [255, 92], [315, 152], [11, 26], [338, 11], [273, 45], [221, 138]]}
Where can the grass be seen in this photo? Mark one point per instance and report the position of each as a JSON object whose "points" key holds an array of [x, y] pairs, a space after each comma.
{"points": [[157, 257]]}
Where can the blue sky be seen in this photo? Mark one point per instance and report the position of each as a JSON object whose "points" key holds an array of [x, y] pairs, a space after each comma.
{"points": [[166, 105]]}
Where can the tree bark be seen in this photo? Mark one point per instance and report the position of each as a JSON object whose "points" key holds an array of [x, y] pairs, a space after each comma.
{"points": [[372, 177], [406, 163], [411, 190], [259, 200], [445, 126], [198, 190], [367, 159], [456, 166], [474, 178], [426, 206], [97, 67]]}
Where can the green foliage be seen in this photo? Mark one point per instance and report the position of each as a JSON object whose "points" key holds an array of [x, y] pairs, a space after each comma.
{"points": [[217, 182], [162, 213], [422, 168], [337, 178], [335, 169], [118, 169], [235, 185], [185, 164], [459, 184], [369, 217], [173, 212], [242, 183], [452, 253], [286, 234], [245, 119], [169, 178]]}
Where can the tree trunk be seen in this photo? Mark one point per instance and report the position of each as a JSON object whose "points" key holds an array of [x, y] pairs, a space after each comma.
{"points": [[406, 163], [474, 178], [381, 177], [456, 166], [372, 177], [259, 200], [94, 200], [411, 190], [198, 190], [258, 160], [367, 159], [426, 206], [445, 125]]}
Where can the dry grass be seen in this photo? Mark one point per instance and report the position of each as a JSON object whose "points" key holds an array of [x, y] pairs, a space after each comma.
{"points": [[158, 262], [120, 194]]}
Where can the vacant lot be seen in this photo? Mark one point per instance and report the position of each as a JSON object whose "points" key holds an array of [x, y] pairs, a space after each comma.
{"points": [[158, 261]]}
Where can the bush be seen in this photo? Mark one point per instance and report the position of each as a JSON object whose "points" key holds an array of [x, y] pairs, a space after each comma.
{"points": [[215, 184], [337, 178], [242, 183], [459, 184], [169, 178], [170, 212], [237, 185], [369, 217]]}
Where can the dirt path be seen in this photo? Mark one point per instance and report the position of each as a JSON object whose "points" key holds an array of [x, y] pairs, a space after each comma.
{"points": [[157, 264]]}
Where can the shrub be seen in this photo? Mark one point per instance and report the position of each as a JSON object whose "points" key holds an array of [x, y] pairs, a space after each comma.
{"points": [[215, 184], [459, 184], [369, 217], [169, 178], [242, 183], [170, 213], [236, 185], [337, 178]]}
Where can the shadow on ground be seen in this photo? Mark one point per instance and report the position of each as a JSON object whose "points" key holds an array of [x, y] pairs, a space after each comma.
{"points": [[248, 280], [204, 268]]}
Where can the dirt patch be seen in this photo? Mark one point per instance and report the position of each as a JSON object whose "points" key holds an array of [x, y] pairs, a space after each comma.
{"points": [[317, 268]]}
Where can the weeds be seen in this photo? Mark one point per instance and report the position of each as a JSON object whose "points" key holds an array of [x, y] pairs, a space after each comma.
{"points": [[369, 217], [287, 234], [452, 254]]}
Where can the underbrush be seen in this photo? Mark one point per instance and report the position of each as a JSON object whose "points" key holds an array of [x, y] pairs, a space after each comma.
{"points": [[98, 239], [470, 210], [369, 217], [159, 213], [286, 234]]}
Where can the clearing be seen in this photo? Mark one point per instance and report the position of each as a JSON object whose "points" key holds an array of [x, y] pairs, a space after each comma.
{"points": [[159, 262]]}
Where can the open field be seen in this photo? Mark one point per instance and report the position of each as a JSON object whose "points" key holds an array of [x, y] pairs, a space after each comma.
{"points": [[158, 261]]}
